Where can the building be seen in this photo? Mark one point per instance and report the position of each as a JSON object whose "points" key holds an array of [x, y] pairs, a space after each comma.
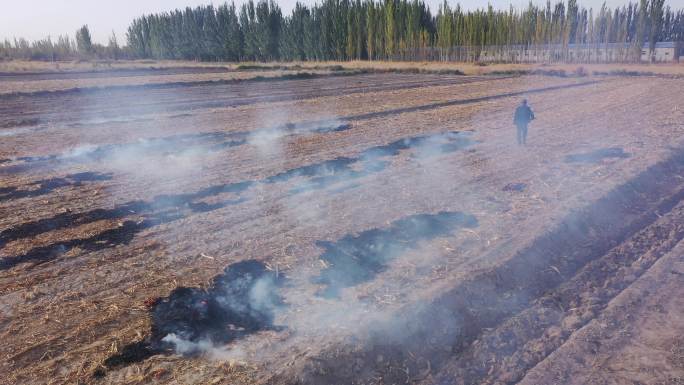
{"points": [[664, 52]]}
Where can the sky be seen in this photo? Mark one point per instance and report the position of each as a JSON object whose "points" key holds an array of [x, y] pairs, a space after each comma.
{"points": [[37, 19]]}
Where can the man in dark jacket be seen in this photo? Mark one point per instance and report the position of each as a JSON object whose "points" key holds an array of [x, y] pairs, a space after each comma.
{"points": [[523, 116]]}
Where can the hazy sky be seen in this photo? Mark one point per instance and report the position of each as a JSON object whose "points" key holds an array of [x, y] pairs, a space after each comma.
{"points": [[36, 19]]}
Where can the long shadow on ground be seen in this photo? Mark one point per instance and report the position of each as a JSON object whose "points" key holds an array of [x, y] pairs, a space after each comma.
{"points": [[427, 107], [445, 329]]}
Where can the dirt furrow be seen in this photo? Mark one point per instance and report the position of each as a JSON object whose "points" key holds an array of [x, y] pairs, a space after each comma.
{"points": [[475, 264], [190, 101], [636, 339], [505, 354], [448, 325]]}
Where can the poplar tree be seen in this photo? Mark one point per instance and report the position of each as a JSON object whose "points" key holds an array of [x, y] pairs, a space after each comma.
{"points": [[390, 29], [83, 41]]}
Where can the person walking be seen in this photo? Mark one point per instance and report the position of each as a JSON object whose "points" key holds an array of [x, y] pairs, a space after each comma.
{"points": [[523, 116]]}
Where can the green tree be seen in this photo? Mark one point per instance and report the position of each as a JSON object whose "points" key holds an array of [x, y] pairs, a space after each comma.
{"points": [[656, 21], [83, 41]]}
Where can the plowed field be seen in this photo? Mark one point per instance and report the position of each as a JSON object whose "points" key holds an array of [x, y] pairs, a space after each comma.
{"points": [[351, 229]]}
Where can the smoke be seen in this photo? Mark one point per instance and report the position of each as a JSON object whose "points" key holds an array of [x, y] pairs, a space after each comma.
{"points": [[80, 152], [206, 348], [7, 132], [241, 301], [278, 124], [185, 347], [280, 127], [327, 297], [261, 296], [150, 161], [268, 140], [159, 161], [356, 259], [249, 298], [268, 143]]}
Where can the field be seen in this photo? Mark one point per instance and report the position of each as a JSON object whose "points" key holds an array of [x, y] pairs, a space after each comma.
{"points": [[209, 225]]}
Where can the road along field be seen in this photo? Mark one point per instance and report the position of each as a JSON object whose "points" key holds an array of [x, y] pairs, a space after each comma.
{"points": [[359, 229]]}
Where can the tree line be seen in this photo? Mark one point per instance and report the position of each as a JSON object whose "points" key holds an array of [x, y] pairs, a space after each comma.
{"points": [[387, 29], [64, 48], [368, 30]]}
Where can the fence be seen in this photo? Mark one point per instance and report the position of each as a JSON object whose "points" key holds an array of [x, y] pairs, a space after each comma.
{"points": [[571, 53]]}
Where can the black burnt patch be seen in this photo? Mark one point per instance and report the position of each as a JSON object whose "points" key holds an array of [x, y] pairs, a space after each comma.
{"points": [[46, 186], [162, 209], [355, 259], [318, 127], [514, 187], [597, 155], [373, 160], [326, 168], [168, 208], [239, 302], [19, 123]]}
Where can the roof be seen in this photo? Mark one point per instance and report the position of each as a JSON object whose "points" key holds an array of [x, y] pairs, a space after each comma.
{"points": [[598, 45], [663, 44], [660, 44]]}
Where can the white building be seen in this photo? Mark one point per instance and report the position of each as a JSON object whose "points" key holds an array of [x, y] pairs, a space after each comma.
{"points": [[664, 52]]}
